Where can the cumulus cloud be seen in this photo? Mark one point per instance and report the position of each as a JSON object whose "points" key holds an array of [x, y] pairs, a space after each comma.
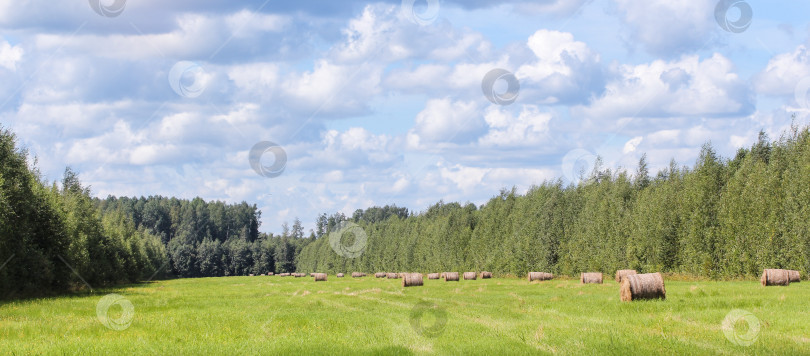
{"points": [[469, 179], [446, 121], [10, 55], [685, 87], [529, 127], [669, 28], [353, 149], [783, 72], [565, 70]]}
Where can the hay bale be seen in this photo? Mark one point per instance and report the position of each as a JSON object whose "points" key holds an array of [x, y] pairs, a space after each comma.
{"points": [[285, 274], [298, 275], [775, 277], [356, 274], [623, 272], [642, 286], [319, 277], [340, 275], [412, 280], [269, 273], [451, 276], [591, 277], [794, 276], [392, 275], [486, 275], [433, 275], [469, 276], [379, 275], [540, 276]]}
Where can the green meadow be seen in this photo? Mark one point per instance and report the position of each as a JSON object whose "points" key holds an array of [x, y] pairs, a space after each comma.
{"points": [[287, 315]]}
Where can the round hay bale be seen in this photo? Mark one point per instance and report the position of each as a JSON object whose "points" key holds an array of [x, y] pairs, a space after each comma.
{"points": [[794, 276], [319, 277], [591, 277], [356, 274], [775, 277], [391, 275], [299, 275], [379, 275], [540, 276], [642, 286], [451, 276], [251, 275], [486, 275], [412, 280], [269, 273], [623, 272], [284, 274], [433, 276], [340, 275], [469, 276]]}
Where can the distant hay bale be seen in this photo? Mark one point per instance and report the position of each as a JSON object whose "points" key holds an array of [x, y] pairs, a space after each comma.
{"points": [[356, 274], [451, 276], [269, 273], [591, 277], [486, 275], [794, 276], [433, 276], [340, 275], [392, 275], [775, 277], [469, 276], [623, 272], [284, 274], [319, 277], [540, 276], [251, 275], [642, 286], [412, 280], [379, 275]]}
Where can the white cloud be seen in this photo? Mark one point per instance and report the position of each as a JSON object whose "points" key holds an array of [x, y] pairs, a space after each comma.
{"points": [[446, 121], [530, 127], [632, 144], [470, 180], [10, 55], [783, 72], [685, 87], [565, 70], [669, 28]]}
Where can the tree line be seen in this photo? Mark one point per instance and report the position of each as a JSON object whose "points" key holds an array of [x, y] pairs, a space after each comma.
{"points": [[720, 218], [56, 237]]}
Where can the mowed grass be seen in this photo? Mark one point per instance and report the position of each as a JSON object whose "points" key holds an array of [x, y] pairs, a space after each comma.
{"points": [[286, 315]]}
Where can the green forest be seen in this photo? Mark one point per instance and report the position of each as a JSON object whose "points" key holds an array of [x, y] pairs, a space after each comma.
{"points": [[720, 218]]}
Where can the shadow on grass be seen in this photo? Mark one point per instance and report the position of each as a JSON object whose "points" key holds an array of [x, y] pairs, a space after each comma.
{"points": [[78, 291]]}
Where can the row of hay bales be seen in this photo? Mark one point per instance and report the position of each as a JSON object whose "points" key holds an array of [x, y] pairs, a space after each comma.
{"points": [[633, 286]]}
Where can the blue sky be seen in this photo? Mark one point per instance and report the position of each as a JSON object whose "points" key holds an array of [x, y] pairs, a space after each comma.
{"points": [[380, 103]]}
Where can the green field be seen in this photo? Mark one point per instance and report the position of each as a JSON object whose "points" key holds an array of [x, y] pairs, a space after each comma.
{"points": [[286, 315]]}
